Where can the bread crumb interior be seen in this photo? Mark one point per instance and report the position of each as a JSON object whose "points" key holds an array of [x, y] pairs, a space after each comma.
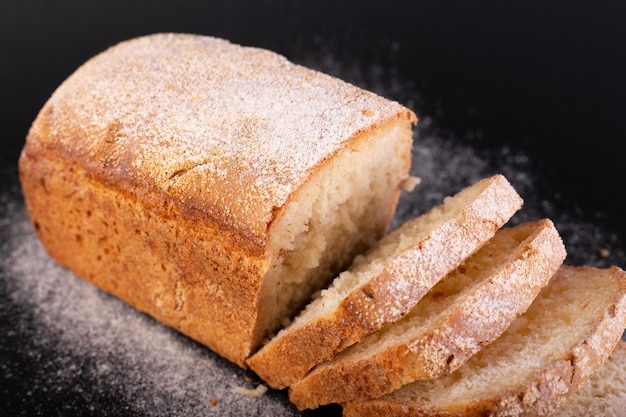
{"points": [[341, 211], [396, 242]]}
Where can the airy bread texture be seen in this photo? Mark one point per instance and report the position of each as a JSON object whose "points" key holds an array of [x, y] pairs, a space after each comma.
{"points": [[567, 333], [210, 185], [604, 393], [468, 309], [385, 284]]}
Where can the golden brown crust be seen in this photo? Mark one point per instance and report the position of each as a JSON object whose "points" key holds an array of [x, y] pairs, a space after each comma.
{"points": [[479, 318], [391, 294], [541, 396], [111, 240], [158, 169]]}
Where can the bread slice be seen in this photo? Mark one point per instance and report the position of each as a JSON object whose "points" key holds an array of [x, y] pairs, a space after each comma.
{"points": [[211, 185], [386, 283], [468, 309], [604, 393], [567, 333]]}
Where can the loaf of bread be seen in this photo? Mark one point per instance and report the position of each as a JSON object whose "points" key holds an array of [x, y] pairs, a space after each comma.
{"points": [[604, 393], [213, 186], [542, 359], [384, 284], [468, 309], [218, 187]]}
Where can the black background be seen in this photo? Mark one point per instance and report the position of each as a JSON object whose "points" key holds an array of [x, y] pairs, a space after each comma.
{"points": [[544, 78]]}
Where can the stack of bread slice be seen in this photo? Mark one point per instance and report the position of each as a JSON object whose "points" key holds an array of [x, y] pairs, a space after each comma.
{"points": [[453, 313]]}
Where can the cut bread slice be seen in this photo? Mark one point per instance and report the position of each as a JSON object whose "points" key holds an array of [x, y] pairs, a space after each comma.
{"points": [[468, 309], [384, 285], [604, 393], [546, 354]]}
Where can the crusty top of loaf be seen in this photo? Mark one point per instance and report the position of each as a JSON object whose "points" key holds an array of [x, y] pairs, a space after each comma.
{"points": [[226, 132]]}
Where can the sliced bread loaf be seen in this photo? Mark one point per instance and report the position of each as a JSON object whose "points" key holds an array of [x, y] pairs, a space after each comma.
{"points": [[567, 333], [468, 309], [211, 185], [604, 393], [384, 285]]}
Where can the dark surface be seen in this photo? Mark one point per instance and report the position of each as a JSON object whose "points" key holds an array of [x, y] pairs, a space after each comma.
{"points": [[536, 82], [544, 77]]}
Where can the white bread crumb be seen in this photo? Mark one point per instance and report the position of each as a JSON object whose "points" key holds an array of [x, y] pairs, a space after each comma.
{"points": [[250, 393], [410, 183]]}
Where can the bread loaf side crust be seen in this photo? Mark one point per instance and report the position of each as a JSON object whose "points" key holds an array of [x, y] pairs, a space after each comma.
{"points": [[167, 267], [391, 294], [478, 319], [163, 168]]}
